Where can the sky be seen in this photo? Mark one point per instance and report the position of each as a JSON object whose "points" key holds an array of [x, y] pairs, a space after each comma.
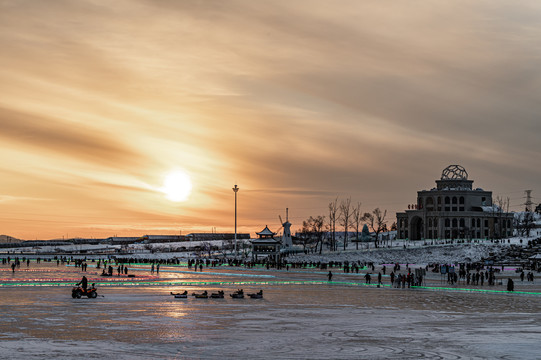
{"points": [[296, 102]]}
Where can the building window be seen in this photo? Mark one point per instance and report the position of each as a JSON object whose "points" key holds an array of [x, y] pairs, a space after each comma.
{"points": [[472, 223], [447, 222], [486, 223], [454, 200], [462, 224], [478, 222], [461, 200], [447, 200], [429, 203], [455, 223]]}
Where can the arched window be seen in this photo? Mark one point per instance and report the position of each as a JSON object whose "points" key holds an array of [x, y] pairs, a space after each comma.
{"points": [[472, 223], [478, 222], [429, 203], [454, 200], [455, 223], [429, 222], [447, 222], [461, 200], [462, 222], [447, 203]]}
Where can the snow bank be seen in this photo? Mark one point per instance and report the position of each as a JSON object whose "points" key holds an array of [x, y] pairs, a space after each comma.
{"points": [[449, 254]]}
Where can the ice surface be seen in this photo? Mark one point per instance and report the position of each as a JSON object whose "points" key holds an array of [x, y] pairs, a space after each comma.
{"points": [[293, 321]]}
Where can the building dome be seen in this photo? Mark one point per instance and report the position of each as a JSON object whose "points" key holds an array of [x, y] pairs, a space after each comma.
{"points": [[454, 172]]}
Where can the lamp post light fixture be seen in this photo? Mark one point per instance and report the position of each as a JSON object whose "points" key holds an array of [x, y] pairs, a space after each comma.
{"points": [[235, 190]]}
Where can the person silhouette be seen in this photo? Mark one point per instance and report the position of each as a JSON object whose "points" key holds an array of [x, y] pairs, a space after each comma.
{"points": [[83, 283]]}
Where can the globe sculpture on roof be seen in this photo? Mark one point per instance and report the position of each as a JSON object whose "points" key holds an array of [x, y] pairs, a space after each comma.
{"points": [[454, 172]]}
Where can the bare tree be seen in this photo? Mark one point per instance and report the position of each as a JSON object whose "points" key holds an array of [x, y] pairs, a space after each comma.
{"points": [[394, 227], [319, 228], [345, 216], [356, 218], [313, 231], [376, 221], [207, 246], [333, 210], [502, 203], [304, 235], [524, 223]]}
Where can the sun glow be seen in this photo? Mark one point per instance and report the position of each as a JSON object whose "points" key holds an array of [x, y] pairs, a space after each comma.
{"points": [[177, 186]]}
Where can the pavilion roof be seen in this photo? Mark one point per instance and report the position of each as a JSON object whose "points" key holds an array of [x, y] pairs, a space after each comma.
{"points": [[266, 232]]}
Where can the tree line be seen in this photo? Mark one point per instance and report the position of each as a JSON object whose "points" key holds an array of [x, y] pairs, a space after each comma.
{"points": [[321, 230]]}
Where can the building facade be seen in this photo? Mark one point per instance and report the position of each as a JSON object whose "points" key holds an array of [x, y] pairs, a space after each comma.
{"points": [[266, 245], [454, 210]]}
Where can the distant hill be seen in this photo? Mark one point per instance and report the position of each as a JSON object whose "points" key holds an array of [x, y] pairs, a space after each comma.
{"points": [[5, 239]]}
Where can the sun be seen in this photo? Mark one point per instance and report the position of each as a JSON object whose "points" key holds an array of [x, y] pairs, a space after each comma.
{"points": [[177, 186]]}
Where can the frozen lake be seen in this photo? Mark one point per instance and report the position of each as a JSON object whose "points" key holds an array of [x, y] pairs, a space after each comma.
{"points": [[294, 320]]}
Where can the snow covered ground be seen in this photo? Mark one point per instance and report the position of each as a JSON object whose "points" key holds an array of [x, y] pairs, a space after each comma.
{"points": [[451, 254], [404, 252]]}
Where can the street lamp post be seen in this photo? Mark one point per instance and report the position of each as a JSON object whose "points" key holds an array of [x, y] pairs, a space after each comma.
{"points": [[235, 190]]}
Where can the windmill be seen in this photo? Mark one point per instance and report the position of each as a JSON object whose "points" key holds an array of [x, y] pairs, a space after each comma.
{"points": [[287, 242]]}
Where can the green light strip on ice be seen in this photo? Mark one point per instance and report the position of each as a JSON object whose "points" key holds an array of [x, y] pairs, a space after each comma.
{"points": [[475, 290], [257, 283]]}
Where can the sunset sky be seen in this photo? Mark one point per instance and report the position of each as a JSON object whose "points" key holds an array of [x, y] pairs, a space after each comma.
{"points": [[297, 102]]}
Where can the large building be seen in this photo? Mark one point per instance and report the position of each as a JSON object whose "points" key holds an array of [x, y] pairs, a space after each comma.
{"points": [[454, 210]]}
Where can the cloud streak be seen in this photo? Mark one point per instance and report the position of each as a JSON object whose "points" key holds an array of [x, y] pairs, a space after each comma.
{"points": [[297, 102], [46, 134]]}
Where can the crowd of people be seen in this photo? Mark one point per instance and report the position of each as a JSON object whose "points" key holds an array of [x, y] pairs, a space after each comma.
{"points": [[468, 274]]}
